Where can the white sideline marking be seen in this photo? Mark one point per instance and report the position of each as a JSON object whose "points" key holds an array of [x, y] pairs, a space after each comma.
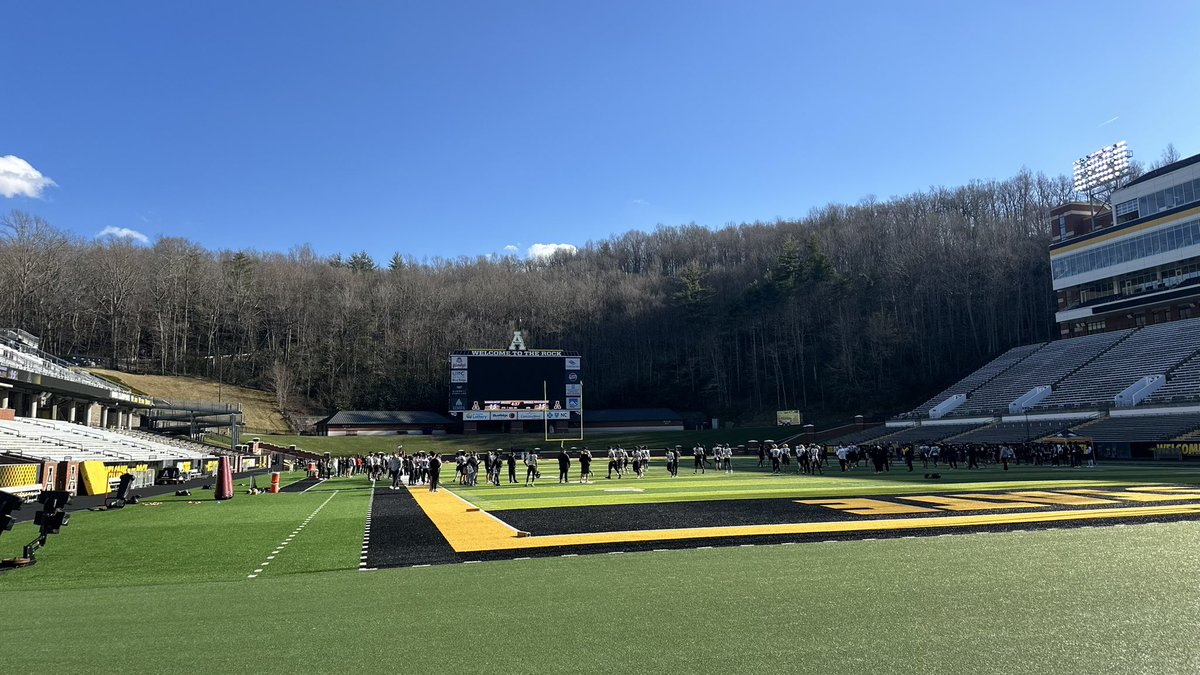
{"points": [[366, 542], [289, 538]]}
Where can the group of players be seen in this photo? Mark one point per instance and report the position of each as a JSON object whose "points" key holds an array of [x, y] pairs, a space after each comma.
{"points": [[974, 455], [424, 468], [809, 459]]}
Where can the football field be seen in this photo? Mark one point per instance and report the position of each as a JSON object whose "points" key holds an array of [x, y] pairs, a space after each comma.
{"points": [[303, 581]]}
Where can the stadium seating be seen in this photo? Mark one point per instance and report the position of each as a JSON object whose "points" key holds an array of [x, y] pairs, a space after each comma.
{"points": [[1140, 428], [1046, 366], [1183, 384], [173, 441], [1085, 372], [861, 436], [978, 378], [55, 441], [1014, 432], [1152, 350], [927, 433]]}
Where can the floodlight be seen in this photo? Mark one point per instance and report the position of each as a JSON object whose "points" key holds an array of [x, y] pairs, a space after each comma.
{"points": [[1101, 167]]}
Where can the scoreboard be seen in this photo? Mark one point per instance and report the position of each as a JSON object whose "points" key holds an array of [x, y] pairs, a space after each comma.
{"points": [[507, 384]]}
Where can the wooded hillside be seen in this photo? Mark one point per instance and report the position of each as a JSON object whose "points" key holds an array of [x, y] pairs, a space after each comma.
{"points": [[863, 308]]}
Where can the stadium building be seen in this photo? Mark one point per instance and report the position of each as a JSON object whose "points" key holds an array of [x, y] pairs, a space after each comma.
{"points": [[62, 428], [1125, 373], [38, 385], [1137, 265]]}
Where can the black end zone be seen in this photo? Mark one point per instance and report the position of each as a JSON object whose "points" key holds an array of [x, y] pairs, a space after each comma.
{"points": [[300, 485], [402, 535]]}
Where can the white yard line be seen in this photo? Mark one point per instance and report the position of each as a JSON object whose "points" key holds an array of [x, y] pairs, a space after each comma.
{"points": [[279, 549]]}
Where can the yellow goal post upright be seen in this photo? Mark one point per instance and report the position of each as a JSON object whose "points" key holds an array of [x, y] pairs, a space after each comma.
{"points": [[546, 417]]}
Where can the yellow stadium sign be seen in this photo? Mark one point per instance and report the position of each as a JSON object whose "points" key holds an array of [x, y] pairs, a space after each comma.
{"points": [[788, 418]]}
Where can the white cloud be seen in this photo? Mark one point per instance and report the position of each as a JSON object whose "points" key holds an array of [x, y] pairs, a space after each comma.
{"points": [[17, 177], [547, 250], [123, 233], [511, 248], [639, 202]]}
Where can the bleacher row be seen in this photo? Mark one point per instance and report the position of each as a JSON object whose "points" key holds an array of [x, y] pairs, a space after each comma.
{"points": [[50, 440], [1122, 429], [1083, 373]]}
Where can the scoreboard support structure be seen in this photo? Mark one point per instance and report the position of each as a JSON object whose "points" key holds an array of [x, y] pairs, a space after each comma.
{"points": [[546, 418]]}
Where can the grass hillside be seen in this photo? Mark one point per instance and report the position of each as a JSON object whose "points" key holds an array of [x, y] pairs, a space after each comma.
{"points": [[258, 407]]}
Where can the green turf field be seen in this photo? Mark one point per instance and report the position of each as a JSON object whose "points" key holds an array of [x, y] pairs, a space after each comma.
{"points": [[165, 589], [749, 481]]}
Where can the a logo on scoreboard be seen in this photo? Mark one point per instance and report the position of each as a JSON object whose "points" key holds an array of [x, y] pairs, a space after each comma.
{"points": [[458, 376], [458, 362], [476, 416], [574, 403], [572, 363], [558, 415], [574, 390], [572, 376], [458, 404], [458, 389]]}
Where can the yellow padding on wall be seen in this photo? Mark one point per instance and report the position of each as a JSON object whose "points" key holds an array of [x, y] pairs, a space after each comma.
{"points": [[18, 475], [116, 471], [93, 478]]}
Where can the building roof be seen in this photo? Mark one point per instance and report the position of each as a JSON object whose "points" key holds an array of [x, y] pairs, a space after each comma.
{"points": [[631, 415], [1164, 170], [386, 417]]}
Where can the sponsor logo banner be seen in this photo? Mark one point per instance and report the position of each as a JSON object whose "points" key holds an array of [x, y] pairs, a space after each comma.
{"points": [[558, 415], [574, 389], [574, 403], [458, 362], [476, 416], [572, 363], [458, 404], [503, 415], [530, 415], [458, 376], [572, 377]]}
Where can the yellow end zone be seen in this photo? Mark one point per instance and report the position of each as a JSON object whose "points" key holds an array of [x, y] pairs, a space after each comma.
{"points": [[469, 530]]}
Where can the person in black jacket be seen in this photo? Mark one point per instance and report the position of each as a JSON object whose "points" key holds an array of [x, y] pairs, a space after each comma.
{"points": [[585, 465], [512, 468], [435, 470], [564, 466]]}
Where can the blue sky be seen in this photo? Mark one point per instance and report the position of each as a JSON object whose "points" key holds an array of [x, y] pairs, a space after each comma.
{"points": [[460, 128]]}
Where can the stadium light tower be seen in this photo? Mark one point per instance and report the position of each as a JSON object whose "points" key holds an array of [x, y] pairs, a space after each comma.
{"points": [[1101, 173]]}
